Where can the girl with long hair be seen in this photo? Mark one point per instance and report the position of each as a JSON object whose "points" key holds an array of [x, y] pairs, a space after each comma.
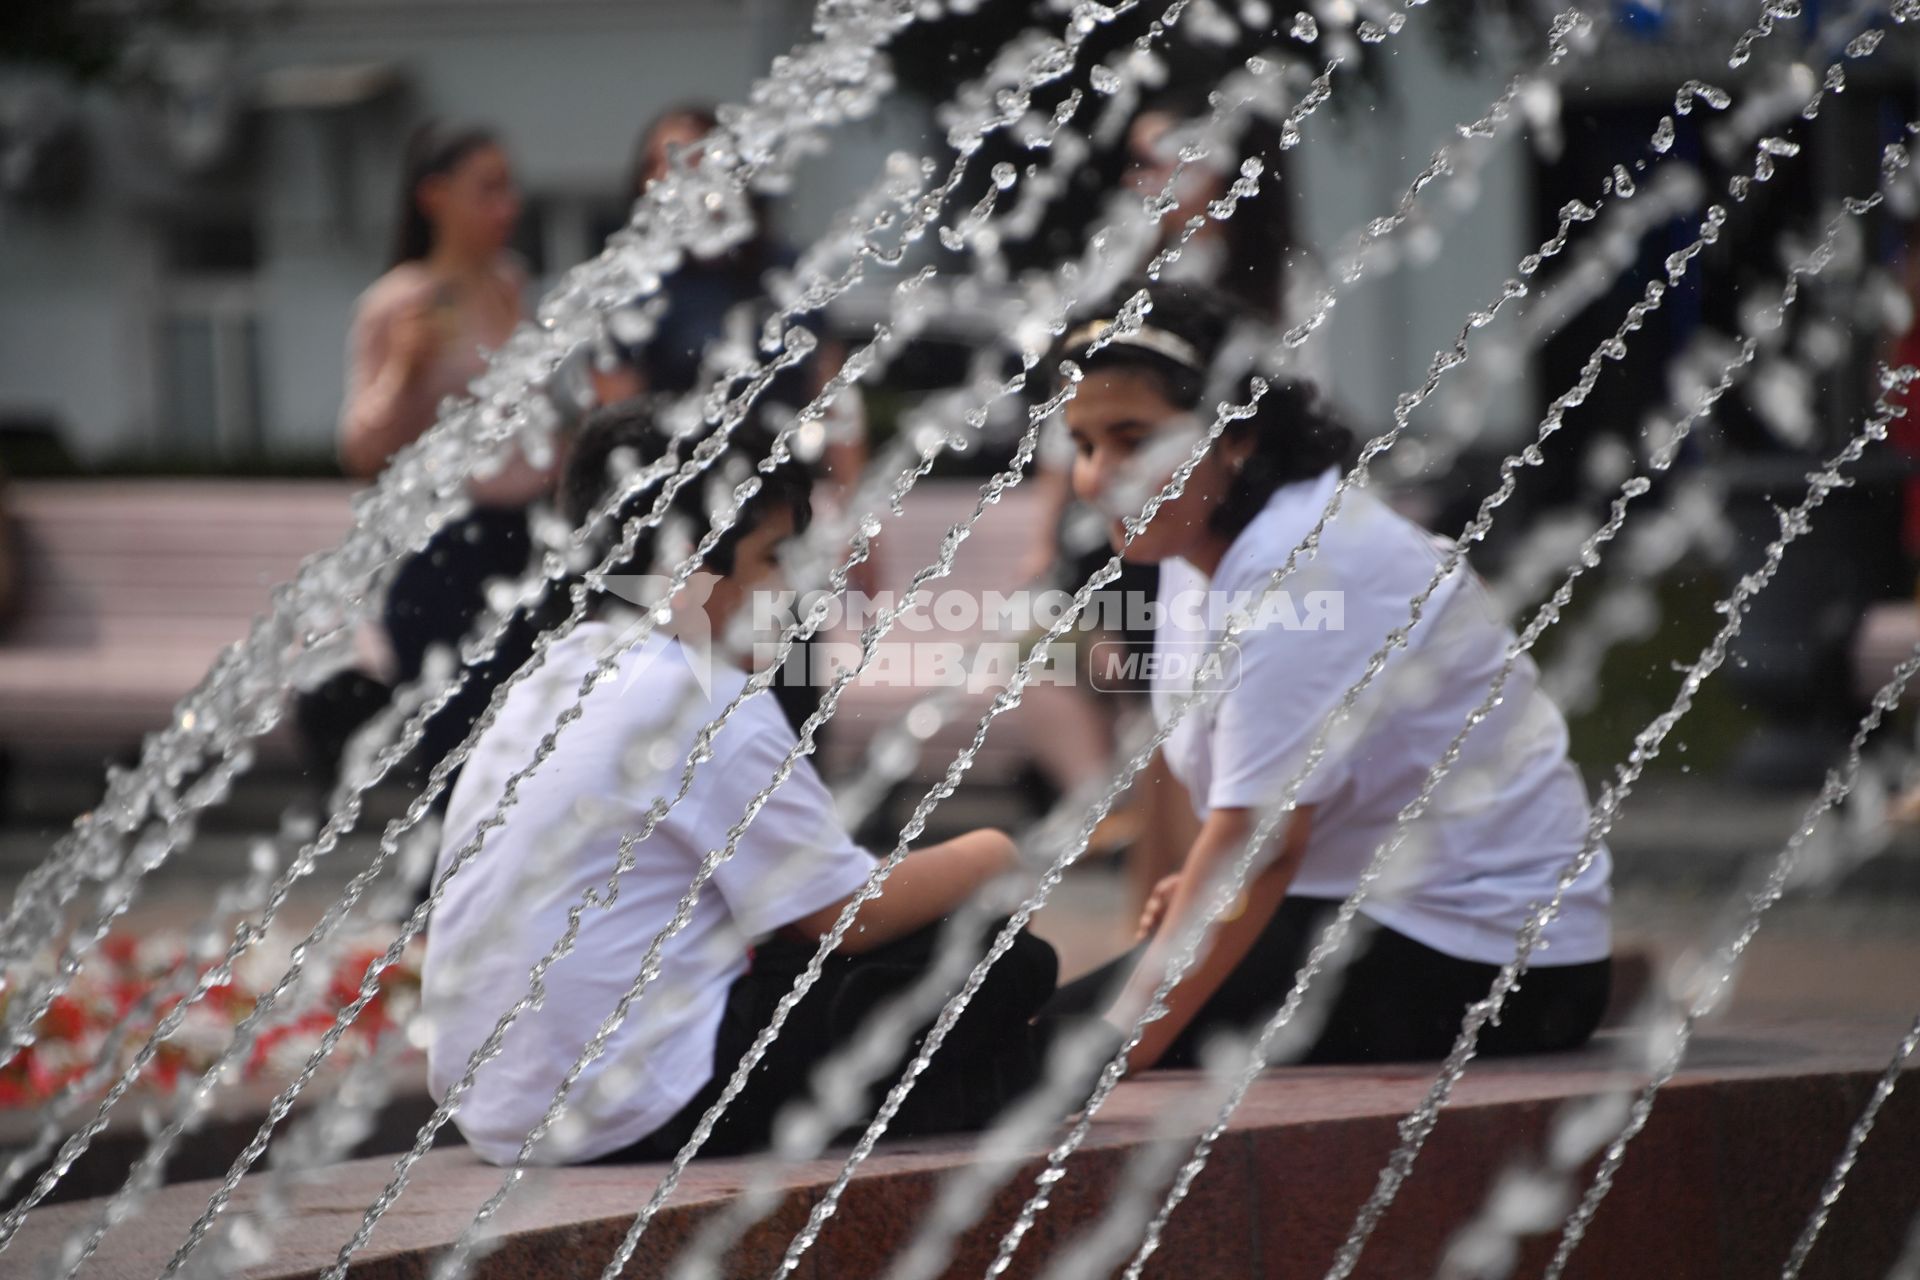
{"points": [[420, 333], [1500, 828]]}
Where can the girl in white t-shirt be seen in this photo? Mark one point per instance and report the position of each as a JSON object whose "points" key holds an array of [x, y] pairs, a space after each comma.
{"points": [[1491, 845], [756, 924]]}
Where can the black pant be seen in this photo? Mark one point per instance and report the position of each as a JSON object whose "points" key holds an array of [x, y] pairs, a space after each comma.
{"points": [[1399, 1000], [435, 598], [991, 1055]]}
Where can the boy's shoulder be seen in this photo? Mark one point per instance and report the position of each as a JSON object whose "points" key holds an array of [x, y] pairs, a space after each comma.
{"points": [[661, 673]]}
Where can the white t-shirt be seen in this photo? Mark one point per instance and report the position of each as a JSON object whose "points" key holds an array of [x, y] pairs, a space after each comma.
{"points": [[1508, 816], [508, 905]]}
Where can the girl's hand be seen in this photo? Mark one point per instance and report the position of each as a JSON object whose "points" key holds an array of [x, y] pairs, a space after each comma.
{"points": [[1905, 809], [1156, 909], [415, 336]]}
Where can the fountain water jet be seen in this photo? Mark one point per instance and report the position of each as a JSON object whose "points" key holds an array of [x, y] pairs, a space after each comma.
{"points": [[1856, 1137], [1037, 73], [1380, 31], [1646, 745], [650, 968], [1026, 450], [1550, 613], [1716, 977], [804, 93]]}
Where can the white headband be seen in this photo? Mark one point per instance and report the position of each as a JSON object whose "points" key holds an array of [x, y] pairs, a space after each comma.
{"points": [[1158, 341]]}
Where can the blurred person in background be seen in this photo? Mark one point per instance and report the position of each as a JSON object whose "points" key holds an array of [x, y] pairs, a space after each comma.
{"points": [[1904, 431], [1253, 257], [453, 292], [9, 569], [420, 333], [702, 296], [1890, 629], [710, 297], [9, 597]]}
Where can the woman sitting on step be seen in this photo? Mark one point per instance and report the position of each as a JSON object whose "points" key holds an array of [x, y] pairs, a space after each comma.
{"points": [[1501, 826]]}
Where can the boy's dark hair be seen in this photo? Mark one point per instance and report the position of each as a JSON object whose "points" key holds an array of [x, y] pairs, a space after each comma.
{"points": [[629, 435], [1296, 434]]}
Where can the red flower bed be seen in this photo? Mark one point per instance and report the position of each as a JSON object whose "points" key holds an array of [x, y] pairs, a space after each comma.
{"points": [[77, 1033]]}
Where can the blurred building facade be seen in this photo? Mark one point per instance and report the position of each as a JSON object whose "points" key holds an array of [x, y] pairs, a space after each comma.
{"points": [[180, 255], [178, 267], [178, 262]]}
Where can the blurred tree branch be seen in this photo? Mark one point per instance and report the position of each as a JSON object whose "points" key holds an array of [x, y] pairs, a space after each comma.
{"points": [[91, 40]]}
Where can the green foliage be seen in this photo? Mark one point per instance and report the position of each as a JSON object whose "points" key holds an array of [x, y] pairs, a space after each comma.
{"points": [[90, 41], [1641, 678]]}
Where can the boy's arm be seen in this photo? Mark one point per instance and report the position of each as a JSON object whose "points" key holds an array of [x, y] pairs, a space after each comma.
{"points": [[927, 885]]}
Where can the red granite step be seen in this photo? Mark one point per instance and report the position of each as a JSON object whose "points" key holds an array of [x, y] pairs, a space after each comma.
{"points": [[1718, 1185]]}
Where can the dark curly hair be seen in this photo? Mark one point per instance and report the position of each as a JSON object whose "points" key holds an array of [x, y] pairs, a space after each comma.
{"points": [[1295, 432], [632, 426]]}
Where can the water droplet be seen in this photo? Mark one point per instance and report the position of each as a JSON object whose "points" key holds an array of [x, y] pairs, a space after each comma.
{"points": [[1718, 99], [1623, 182], [1105, 80], [1865, 43], [1304, 28], [1663, 135], [1893, 159]]}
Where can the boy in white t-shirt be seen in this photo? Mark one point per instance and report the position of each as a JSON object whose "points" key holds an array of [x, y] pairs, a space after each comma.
{"points": [[757, 922]]}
